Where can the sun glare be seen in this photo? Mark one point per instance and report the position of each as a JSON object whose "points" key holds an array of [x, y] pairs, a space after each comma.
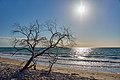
{"points": [[80, 9]]}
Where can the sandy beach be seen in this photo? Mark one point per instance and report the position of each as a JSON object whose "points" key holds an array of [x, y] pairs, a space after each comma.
{"points": [[83, 73]]}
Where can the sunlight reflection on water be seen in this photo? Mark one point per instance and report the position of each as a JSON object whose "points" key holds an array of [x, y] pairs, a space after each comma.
{"points": [[80, 52]]}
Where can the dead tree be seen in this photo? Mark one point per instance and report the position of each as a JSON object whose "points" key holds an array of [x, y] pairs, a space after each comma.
{"points": [[47, 35], [52, 60]]}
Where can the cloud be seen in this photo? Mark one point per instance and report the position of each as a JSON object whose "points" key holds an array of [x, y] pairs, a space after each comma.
{"points": [[5, 41]]}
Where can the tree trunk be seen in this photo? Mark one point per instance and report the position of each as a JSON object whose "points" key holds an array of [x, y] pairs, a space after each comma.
{"points": [[50, 69], [27, 64], [34, 67]]}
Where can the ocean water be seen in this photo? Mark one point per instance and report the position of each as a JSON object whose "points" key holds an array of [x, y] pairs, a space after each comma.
{"points": [[91, 59]]}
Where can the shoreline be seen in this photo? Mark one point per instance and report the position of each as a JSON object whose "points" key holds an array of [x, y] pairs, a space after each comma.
{"points": [[84, 73]]}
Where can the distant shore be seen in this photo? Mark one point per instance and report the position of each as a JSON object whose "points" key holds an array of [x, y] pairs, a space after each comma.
{"points": [[83, 73]]}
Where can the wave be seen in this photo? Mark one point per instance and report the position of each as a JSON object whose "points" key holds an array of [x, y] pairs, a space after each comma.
{"points": [[86, 63]]}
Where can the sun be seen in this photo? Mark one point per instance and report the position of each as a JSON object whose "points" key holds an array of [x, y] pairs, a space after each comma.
{"points": [[80, 10]]}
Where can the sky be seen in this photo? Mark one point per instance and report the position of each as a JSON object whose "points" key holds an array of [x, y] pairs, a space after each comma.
{"points": [[97, 25]]}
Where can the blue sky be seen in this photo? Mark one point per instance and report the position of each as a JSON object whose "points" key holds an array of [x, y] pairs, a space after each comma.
{"points": [[100, 26]]}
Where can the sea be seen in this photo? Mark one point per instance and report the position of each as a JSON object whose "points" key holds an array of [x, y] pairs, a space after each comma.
{"points": [[90, 59]]}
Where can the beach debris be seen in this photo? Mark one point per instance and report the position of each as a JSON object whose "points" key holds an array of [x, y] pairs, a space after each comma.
{"points": [[74, 74]]}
